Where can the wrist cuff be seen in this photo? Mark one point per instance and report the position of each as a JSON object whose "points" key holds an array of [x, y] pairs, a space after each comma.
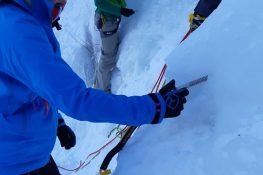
{"points": [[157, 115], [61, 122]]}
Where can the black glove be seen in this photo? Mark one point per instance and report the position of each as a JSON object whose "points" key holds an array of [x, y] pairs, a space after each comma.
{"points": [[127, 12], [66, 136], [56, 24], [174, 100]]}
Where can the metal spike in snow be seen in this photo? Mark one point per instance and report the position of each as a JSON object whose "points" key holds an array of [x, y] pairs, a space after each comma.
{"points": [[194, 82]]}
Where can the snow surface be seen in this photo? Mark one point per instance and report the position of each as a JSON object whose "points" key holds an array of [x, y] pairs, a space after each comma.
{"points": [[220, 130]]}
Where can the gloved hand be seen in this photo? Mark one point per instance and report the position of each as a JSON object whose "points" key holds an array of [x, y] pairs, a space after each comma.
{"points": [[65, 135], [174, 100], [127, 12], [195, 21]]}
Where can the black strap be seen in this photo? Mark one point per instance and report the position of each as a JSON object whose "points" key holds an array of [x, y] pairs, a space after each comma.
{"points": [[117, 148], [60, 121], [157, 107], [56, 24], [108, 33]]}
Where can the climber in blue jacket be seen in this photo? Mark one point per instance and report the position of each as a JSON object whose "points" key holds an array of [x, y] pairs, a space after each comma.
{"points": [[35, 82]]}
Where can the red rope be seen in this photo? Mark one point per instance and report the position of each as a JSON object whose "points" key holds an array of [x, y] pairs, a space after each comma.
{"points": [[186, 35], [94, 154], [75, 169], [82, 164], [158, 81], [161, 77]]}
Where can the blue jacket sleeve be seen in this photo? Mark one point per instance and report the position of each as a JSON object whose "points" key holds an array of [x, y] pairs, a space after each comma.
{"points": [[37, 66], [206, 7]]}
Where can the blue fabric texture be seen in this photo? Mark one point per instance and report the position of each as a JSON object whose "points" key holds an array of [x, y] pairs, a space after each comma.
{"points": [[206, 7], [35, 82]]}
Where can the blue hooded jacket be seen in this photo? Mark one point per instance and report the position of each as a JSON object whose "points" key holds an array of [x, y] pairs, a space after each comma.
{"points": [[35, 82]]}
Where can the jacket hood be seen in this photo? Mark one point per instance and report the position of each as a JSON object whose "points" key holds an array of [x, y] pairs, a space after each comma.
{"points": [[41, 9]]}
